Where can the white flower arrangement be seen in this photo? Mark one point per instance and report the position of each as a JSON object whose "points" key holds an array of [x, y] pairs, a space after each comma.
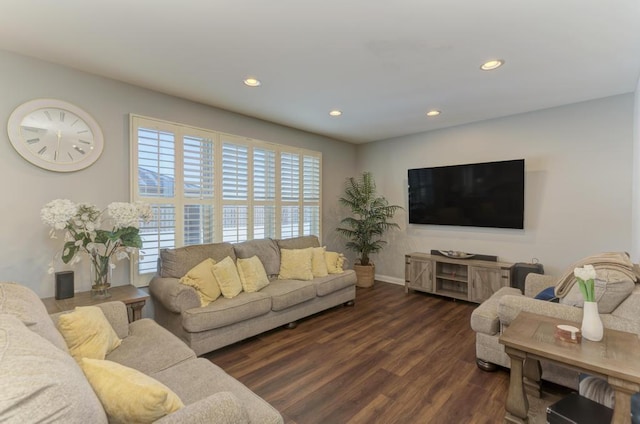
{"points": [[586, 276], [82, 224]]}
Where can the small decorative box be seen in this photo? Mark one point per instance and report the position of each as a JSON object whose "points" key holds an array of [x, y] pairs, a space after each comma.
{"points": [[568, 333]]}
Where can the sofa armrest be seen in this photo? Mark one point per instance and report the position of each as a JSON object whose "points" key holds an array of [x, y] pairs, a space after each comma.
{"points": [[614, 322], [510, 306], [535, 283], [219, 408], [174, 296], [115, 312]]}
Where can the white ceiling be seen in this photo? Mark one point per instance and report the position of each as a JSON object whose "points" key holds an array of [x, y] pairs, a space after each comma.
{"points": [[383, 63]]}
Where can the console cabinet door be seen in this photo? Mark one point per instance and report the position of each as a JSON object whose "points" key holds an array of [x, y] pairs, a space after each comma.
{"points": [[485, 282], [419, 274]]}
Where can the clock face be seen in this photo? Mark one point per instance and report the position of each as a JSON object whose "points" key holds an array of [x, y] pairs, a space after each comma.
{"points": [[55, 135]]}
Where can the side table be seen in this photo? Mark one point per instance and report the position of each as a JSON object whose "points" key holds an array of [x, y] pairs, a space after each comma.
{"points": [[131, 296], [530, 337]]}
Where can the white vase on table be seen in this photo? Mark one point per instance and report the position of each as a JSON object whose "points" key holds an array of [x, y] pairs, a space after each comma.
{"points": [[591, 323]]}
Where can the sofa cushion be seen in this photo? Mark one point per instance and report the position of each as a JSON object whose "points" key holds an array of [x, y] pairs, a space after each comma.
{"points": [[195, 380], [129, 396], [318, 262], [219, 408], [286, 293], [202, 279], [88, 333], [611, 288], [225, 311], [301, 242], [24, 304], [175, 263], [150, 348], [295, 264], [41, 383], [333, 283], [252, 274], [265, 249], [227, 277]]}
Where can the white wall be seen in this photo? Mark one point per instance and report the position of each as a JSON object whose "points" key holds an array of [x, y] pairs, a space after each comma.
{"points": [[25, 247], [578, 164], [635, 209]]}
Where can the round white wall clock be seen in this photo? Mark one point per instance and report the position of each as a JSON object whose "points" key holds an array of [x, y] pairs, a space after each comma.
{"points": [[55, 135]]}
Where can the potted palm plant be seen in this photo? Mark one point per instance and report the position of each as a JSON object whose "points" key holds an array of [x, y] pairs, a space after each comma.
{"points": [[370, 220]]}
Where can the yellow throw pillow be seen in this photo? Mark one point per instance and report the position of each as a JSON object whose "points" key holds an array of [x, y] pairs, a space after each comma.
{"points": [[335, 262], [127, 395], [295, 264], [88, 333], [202, 279], [228, 279], [318, 263], [252, 274]]}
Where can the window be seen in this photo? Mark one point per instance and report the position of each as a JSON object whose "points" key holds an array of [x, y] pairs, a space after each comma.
{"points": [[208, 187]]}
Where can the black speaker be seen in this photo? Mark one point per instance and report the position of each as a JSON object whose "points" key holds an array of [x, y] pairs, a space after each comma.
{"points": [[64, 284], [520, 271]]}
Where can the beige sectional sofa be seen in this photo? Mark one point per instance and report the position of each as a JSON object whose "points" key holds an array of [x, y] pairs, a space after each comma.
{"points": [[41, 382], [226, 321]]}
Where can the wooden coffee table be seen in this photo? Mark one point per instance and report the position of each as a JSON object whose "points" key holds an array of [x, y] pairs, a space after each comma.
{"points": [[530, 337], [131, 296]]}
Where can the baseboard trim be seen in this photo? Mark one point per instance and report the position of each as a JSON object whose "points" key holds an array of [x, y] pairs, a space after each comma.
{"points": [[389, 279]]}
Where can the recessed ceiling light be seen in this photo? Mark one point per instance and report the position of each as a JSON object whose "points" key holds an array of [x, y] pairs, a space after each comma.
{"points": [[492, 64], [335, 112], [433, 112], [252, 82]]}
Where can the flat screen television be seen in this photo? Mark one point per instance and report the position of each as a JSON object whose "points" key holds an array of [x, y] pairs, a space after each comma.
{"points": [[489, 194]]}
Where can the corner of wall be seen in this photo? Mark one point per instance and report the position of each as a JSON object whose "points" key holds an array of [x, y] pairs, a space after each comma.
{"points": [[635, 184]]}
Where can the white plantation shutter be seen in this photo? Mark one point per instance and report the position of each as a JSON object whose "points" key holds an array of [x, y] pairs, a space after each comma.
{"points": [[235, 192], [235, 172], [311, 178], [264, 193], [208, 187], [235, 226], [264, 221], [290, 193], [156, 159], [311, 221], [198, 187], [156, 162], [264, 175], [198, 167], [198, 224], [311, 195], [289, 177], [157, 234], [290, 224]]}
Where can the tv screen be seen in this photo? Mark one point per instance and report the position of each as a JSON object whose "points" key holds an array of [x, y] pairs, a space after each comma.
{"points": [[487, 194]]}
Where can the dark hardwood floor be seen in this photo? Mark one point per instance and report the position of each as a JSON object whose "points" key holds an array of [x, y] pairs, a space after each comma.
{"points": [[391, 358]]}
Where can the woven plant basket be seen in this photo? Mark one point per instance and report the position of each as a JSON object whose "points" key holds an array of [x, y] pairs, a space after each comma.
{"points": [[365, 275]]}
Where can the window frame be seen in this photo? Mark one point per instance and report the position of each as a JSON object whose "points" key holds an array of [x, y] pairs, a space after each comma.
{"points": [[180, 201]]}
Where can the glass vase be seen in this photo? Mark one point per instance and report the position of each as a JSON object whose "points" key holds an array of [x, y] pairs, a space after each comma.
{"points": [[100, 276], [591, 323]]}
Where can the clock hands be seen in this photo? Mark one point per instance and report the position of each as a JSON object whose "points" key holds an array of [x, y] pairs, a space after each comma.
{"points": [[33, 129], [55, 155]]}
